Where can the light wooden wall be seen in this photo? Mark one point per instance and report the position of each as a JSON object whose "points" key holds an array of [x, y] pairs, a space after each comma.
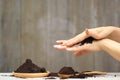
{"points": [[29, 29]]}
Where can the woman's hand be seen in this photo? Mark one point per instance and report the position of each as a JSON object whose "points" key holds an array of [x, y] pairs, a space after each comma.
{"points": [[108, 41], [80, 50], [84, 49], [97, 33]]}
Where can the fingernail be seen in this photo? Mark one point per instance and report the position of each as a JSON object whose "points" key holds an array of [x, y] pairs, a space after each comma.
{"points": [[68, 49], [57, 41], [54, 46]]}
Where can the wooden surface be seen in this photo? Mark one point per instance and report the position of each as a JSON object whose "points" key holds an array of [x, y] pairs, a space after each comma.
{"points": [[29, 29], [109, 76]]}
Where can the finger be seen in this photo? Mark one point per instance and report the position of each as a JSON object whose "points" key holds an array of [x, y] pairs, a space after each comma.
{"points": [[78, 54], [74, 48], [81, 53], [59, 47], [76, 39]]}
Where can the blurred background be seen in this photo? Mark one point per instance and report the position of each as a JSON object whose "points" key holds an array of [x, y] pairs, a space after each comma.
{"points": [[30, 28]]}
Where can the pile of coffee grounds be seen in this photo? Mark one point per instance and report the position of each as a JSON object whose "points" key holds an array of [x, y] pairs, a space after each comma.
{"points": [[29, 67], [87, 40], [66, 70], [69, 70]]}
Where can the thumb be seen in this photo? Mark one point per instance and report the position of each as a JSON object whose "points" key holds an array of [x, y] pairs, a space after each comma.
{"points": [[93, 34]]}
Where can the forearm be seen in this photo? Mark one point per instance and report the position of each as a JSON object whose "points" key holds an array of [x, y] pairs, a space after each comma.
{"points": [[115, 35], [111, 47]]}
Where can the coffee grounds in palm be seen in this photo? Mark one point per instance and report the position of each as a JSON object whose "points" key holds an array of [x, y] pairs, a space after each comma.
{"points": [[87, 40], [29, 67]]}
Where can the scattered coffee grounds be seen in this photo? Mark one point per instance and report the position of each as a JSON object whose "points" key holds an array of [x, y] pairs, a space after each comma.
{"points": [[81, 75], [87, 40], [50, 78], [67, 70], [53, 74], [29, 67]]}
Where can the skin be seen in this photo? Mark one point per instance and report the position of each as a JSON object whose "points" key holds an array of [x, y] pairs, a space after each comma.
{"points": [[108, 41], [111, 47]]}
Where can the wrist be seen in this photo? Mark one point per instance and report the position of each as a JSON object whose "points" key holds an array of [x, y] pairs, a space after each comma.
{"points": [[101, 44], [115, 28], [97, 45]]}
